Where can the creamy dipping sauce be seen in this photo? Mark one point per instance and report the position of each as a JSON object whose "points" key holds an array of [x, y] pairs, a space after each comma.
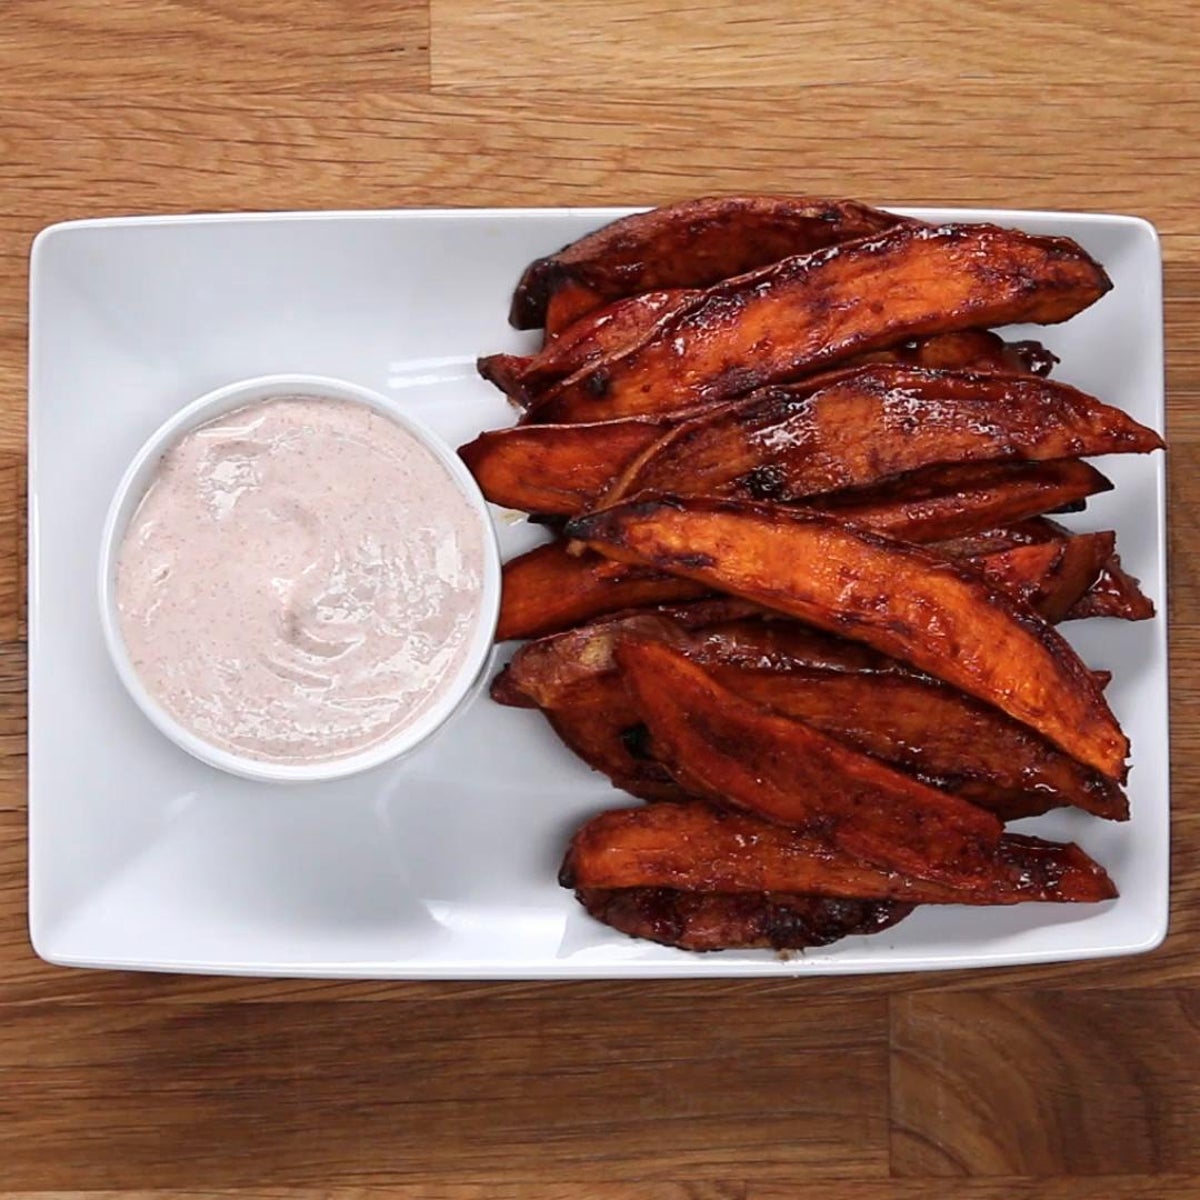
{"points": [[301, 580]]}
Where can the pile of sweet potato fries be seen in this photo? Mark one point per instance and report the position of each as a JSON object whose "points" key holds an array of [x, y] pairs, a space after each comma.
{"points": [[803, 593]]}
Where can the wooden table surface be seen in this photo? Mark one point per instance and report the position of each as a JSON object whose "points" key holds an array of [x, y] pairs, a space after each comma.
{"points": [[1054, 1082]]}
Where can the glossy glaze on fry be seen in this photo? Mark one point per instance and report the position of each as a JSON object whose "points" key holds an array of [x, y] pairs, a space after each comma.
{"points": [[1114, 594], [694, 847]]}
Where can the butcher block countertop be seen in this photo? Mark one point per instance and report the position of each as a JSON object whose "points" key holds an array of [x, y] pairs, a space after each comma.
{"points": [[1058, 1082]]}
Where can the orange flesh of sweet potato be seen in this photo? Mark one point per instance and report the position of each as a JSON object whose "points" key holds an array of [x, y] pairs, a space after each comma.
{"points": [[904, 601], [804, 312], [570, 302], [937, 503], [940, 735], [732, 751], [694, 847], [877, 422], [691, 244], [713, 921]]}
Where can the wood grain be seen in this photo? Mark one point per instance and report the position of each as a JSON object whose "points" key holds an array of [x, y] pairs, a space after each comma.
{"points": [[407, 1090], [131, 47], [13, 725], [526, 1190], [766, 43], [1055, 1082], [1111, 1187], [1045, 1084]]}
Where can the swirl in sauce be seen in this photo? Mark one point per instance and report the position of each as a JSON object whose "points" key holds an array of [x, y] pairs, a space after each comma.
{"points": [[300, 581]]}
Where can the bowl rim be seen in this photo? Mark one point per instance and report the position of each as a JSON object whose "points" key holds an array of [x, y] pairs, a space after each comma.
{"points": [[128, 495]]}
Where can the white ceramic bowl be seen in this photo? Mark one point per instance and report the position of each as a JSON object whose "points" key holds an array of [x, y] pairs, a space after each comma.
{"points": [[133, 486]]}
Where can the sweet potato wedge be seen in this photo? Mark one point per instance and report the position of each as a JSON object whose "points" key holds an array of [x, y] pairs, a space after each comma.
{"points": [[556, 469], [1115, 593], [937, 503], [734, 752], [572, 677], [876, 422], [900, 599], [714, 921], [547, 590], [504, 371], [697, 848], [945, 738], [561, 470], [550, 589], [691, 244], [805, 312], [844, 689], [524, 378]]}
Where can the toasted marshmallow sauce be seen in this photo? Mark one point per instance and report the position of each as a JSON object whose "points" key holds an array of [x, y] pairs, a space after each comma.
{"points": [[300, 581]]}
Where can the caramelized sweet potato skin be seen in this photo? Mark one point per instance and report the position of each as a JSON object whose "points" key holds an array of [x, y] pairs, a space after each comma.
{"points": [[547, 590], [799, 314], [876, 422], [732, 751], [934, 614], [544, 673], [691, 244], [694, 847], [713, 921], [937, 503]]}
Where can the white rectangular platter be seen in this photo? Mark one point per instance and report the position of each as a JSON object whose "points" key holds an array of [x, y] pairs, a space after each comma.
{"points": [[442, 866]]}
